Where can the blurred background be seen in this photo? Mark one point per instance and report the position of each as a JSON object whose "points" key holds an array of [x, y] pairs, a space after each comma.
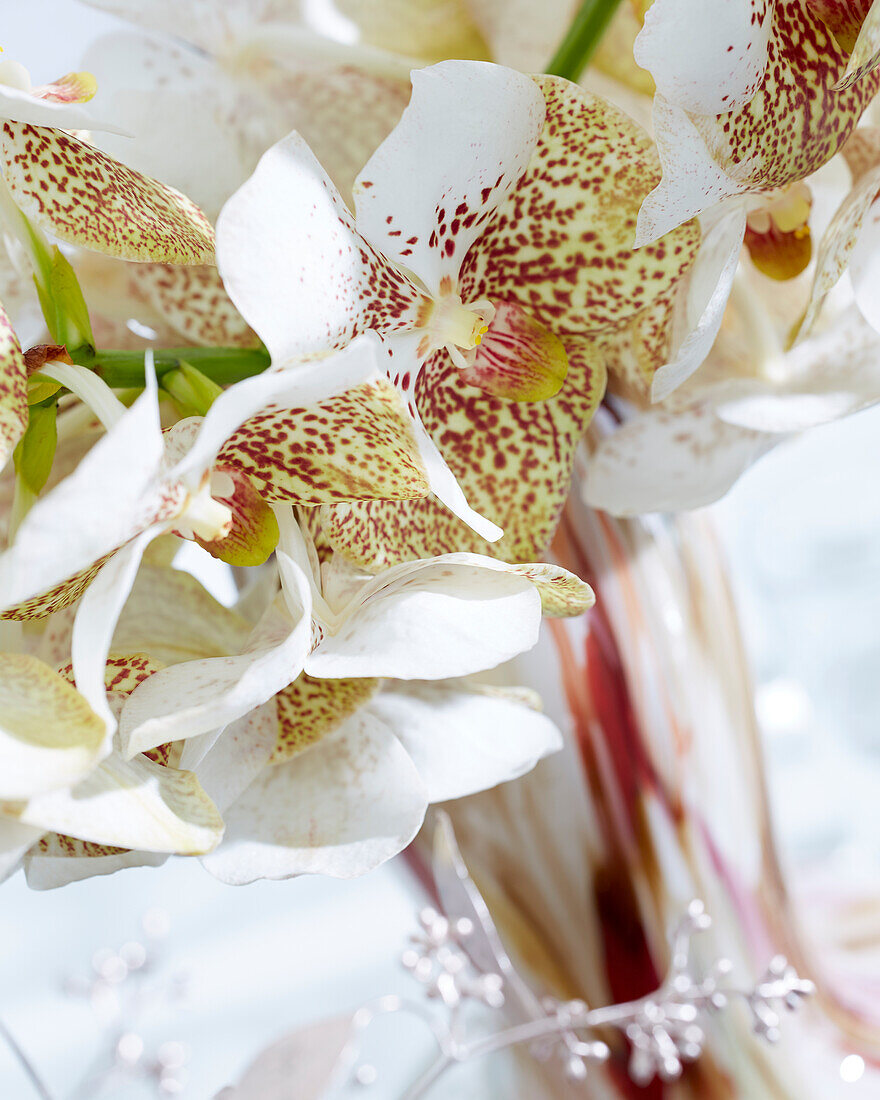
{"points": [[228, 969]]}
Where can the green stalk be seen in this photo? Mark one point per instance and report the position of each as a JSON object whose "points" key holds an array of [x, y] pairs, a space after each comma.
{"points": [[582, 39], [124, 369]]}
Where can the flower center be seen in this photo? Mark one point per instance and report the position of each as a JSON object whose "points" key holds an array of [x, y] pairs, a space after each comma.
{"points": [[204, 517], [450, 324]]}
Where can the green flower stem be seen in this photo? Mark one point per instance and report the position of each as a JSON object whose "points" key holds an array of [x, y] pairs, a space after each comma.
{"points": [[124, 369], [582, 39]]}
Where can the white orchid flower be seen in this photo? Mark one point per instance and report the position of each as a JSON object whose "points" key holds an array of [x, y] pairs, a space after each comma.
{"points": [[135, 484], [688, 450], [474, 244], [432, 619], [333, 774]]}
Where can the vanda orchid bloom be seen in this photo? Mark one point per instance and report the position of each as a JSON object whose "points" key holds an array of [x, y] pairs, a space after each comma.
{"points": [[437, 618], [751, 100], [491, 253], [135, 484], [750, 394], [330, 776]]}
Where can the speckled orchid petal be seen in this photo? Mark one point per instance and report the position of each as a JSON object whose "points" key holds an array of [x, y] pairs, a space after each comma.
{"points": [[310, 709], [669, 458], [838, 245], [513, 461], [428, 190], [561, 245], [710, 285], [299, 387], [518, 358], [295, 266], [342, 108], [88, 199], [865, 56], [193, 302], [58, 860], [13, 389], [198, 696], [463, 738], [347, 805], [75, 525], [780, 136], [129, 804], [49, 735], [357, 445], [706, 57]]}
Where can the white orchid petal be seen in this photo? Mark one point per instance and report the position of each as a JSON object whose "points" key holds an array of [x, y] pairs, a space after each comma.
{"points": [[864, 268], [692, 180], [293, 263], [347, 805], [98, 508], [707, 58], [431, 620], [463, 741], [667, 460], [21, 106], [238, 755], [708, 291], [132, 804], [66, 860], [15, 840], [427, 192], [198, 696], [95, 623]]}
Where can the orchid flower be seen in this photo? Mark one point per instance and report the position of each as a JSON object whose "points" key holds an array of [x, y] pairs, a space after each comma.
{"points": [[750, 394], [330, 774], [484, 263], [432, 619], [738, 136], [135, 484]]}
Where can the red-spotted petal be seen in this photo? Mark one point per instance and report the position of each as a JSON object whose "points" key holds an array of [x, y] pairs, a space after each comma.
{"points": [[512, 460], [82, 196], [781, 135], [355, 446], [561, 246], [428, 190], [309, 709], [13, 389], [861, 17]]}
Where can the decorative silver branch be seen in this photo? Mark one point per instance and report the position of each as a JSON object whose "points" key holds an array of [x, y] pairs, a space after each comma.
{"points": [[458, 957]]}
